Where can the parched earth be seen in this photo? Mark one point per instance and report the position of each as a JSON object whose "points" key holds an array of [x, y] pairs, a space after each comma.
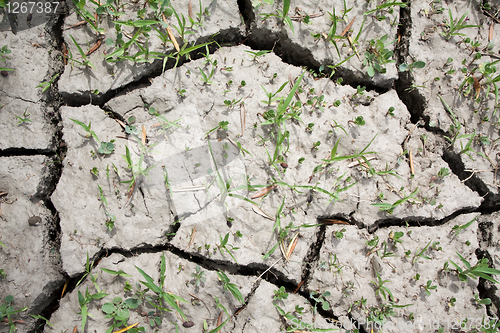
{"points": [[249, 167]]}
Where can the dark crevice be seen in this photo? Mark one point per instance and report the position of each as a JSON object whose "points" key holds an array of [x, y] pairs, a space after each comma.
{"points": [[416, 105], [491, 202], [296, 55], [114, 115], [254, 269], [350, 78], [272, 276], [411, 98], [487, 289], [87, 98], [228, 37], [416, 221], [310, 263], [312, 256], [346, 219], [246, 11], [248, 297], [48, 301], [11, 152]]}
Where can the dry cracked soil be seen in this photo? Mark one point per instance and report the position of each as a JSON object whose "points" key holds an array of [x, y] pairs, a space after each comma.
{"points": [[238, 166]]}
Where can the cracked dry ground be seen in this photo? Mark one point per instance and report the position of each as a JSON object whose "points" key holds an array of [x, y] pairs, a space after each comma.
{"points": [[252, 191]]}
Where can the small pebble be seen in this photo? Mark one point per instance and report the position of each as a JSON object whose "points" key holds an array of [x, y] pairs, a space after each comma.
{"points": [[4, 73], [34, 221], [188, 324]]}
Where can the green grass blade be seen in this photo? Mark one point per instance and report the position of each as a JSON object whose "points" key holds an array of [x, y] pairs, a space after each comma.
{"points": [[171, 300], [283, 106], [286, 7], [79, 48], [150, 282]]}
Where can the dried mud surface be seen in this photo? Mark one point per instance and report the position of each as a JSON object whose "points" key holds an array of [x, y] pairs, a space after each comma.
{"points": [[267, 163]]}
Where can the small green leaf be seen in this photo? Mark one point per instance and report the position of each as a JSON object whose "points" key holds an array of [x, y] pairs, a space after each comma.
{"points": [[419, 64], [371, 71], [404, 67], [108, 308]]}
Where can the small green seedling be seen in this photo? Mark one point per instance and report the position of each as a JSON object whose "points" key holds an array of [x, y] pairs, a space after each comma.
{"points": [[105, 147], [47, 84], [198, 276], [332, 36], [339, 234], [296, 319], [360, 90], [110, 219], [316, 145], [227, 247], [85, 60], [231, 103], [416, 65], [119, 273], [395, 237], [372, 243], [480, 269], [334, 263], [479, 302], [385, 5], [222, 126], [95, 172], [452, 26], [458, 228], [136, 169], [25, 118], [443, 172], [467, 148], [390, 207], [255, 55], [88, 268], [6, 312], [162, 296], [320, 299], [118, 310], [283, 15], [280, 294], [358, 121], [428, 287], [420, 254], [380, 289], [377, 56], [3, 57], [272, 97], [386, 253], [84, 303], [47, 322], [206, 78], [231, 287], [435, 246]]}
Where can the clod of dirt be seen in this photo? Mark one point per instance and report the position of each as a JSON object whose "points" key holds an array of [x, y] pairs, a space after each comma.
{"points": [[34, 221]]}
